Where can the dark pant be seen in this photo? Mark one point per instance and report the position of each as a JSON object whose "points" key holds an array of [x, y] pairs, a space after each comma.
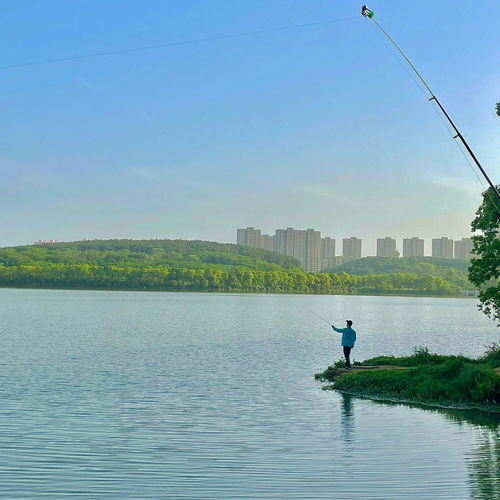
{"points": [[347, 354]]}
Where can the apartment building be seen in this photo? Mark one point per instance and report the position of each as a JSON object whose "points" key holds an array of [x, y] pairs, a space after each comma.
{"points": [[413, 247], [442, 248], [351, 247], [386, 247], [249, 237], [327, 252], [306, 245], [316, 253], [463, 249]]}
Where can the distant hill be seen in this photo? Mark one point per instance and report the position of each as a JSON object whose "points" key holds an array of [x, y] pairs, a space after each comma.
{"points": [[140, 253], [172, 265], [382, 265], [453, 270]]}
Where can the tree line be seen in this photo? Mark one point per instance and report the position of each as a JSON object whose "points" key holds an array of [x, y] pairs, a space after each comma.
{"points": [[452, 270], [222, 279]]}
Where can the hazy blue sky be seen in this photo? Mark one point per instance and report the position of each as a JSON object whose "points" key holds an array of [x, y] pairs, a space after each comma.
{"points": [[318, 126]]}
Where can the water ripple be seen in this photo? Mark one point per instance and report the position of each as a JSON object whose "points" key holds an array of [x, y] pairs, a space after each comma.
{"points": [[197, 396]]}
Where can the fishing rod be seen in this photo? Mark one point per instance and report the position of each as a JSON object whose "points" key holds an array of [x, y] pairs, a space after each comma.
{"points": [[320, 317], [367, 13]]}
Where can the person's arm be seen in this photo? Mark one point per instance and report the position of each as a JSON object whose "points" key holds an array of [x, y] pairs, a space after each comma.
{"points": [[338, 330]]}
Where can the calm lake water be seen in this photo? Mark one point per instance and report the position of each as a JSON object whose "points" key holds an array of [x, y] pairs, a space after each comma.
{"points": [[212, 396]]}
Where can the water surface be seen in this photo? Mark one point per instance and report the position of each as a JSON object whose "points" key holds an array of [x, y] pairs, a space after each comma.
{"points": [[212, 396]]}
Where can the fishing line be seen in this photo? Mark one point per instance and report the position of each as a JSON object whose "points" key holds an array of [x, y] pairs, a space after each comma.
{"points": [[408, 71], [320, 317], [460, 148], [178, 44], [463, 152], [445, 123], [367, 13]]}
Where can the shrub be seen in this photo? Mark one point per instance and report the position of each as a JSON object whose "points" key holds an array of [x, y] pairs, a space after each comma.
{"points": [[492, 355], [451, 368], [421, 356]]}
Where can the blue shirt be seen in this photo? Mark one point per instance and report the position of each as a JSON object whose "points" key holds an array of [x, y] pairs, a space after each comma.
{"points": [[348, 336]]}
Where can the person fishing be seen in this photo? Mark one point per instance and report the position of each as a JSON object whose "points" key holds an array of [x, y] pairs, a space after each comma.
{"points": [[348, 339]]}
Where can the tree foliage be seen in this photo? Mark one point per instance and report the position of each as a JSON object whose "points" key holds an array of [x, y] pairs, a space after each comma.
{"points": [[484, 270], [237, 279], [139, 253], [498, 108], [452, 270]]}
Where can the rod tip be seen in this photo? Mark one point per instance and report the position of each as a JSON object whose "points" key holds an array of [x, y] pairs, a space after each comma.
{"points": [[366, 12]]}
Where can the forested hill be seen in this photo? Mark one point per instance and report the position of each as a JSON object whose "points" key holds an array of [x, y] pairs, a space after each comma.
{"points": [[452, 270], [147, 253], [197, 266], [421, 266]]}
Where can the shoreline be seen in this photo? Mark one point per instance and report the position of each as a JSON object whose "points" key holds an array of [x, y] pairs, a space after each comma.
{"points": [[490, 409], [249, 292], [426, 379]]}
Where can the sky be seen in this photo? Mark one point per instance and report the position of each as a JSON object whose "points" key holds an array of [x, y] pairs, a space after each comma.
{"points": [[317, 126]]}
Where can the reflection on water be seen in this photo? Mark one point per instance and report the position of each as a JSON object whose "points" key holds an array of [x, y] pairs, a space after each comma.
{"points": [[475, 417], [482, 460], [490, 420], [484, 466], [347, 417]]}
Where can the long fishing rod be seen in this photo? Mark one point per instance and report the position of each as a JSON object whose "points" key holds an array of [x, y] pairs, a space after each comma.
{"points": [[366, 12], [320, 317]]}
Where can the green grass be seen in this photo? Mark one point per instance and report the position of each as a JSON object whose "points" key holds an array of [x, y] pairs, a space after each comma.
{"points": [[430, 378], [422, 356]]}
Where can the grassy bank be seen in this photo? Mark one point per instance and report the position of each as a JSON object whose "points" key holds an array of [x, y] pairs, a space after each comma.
{"points": [[423, 377]]}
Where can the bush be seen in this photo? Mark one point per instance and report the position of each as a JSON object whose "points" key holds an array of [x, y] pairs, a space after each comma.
{"points": [[421, 356], [492, 355], [451, 368]]}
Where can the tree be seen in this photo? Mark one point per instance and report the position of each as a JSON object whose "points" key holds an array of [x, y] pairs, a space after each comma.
{"points": [[498, 108], [484, 270]]}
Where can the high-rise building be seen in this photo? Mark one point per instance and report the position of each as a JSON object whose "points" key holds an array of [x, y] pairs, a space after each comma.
{"points": [[386, 247], [267, 242], [351, 247], [327, 253], [302, 244], [413, 247], [312, 262], [280, 241], [283, 241], [299, 246], [327, 248], [442, 247], [463, 249], [306, 245], [249, 237]]}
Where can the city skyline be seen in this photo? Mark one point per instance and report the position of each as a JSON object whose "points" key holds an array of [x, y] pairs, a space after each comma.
{"points": [[295, 242], [387, 246]]}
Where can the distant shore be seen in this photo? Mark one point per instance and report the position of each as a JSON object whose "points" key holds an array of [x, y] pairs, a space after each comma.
{"points": [[201, 266], [252, 292]]}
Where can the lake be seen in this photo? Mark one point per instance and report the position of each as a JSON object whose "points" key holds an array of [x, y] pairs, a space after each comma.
{"points": [[212, 396]]}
